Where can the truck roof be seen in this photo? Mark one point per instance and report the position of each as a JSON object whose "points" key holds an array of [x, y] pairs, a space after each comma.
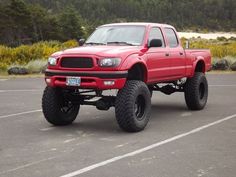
{"points": [[138, 24]]}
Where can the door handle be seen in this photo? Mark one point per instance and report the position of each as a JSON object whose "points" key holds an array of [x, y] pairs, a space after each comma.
{"points": [[167, 54], [181, 53]]}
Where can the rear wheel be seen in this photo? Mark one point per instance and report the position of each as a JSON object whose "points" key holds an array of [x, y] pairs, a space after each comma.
{"points": [[133, 105], [57, 109], [196, 91]]}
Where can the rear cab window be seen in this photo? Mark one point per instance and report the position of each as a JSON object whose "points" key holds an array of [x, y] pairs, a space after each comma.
{"points": [[155, 33], [171, 37]]}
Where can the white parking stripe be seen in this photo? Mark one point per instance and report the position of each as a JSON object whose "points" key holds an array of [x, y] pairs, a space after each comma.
{"points": [[27, 165], [21, 113], [230, 85], [139, 151], [46, 129], [26, 90]]}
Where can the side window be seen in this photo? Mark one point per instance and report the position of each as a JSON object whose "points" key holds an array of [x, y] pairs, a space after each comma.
{"points": [[156, 33], [171, 37]]}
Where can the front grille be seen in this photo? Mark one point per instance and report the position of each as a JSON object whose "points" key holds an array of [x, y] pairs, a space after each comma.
{"points": [[76, 62]]}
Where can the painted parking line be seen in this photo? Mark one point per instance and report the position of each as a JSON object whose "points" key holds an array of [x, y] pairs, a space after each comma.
{"points": [[24, 90], [27, 165], [3, 80], [21, 113], [229, 85], [147, 148]]}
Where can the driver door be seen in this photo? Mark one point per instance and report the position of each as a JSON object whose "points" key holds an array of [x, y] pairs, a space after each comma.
{"points": [[157, 58]]}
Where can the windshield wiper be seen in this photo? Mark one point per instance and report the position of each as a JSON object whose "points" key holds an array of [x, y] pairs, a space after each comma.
{"points": [[95, 43], [120, 42]]}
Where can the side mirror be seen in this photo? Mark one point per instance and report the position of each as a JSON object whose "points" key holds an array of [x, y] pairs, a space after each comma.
{"points": [[155, 43], [81, 42]]}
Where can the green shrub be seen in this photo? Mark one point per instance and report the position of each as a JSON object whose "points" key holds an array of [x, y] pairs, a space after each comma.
{"points": [[3, 67], [36, 66], [218, 48], [24, 54]]}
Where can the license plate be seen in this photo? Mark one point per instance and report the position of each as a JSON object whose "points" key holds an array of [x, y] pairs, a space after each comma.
{"points": [[73, 81]]}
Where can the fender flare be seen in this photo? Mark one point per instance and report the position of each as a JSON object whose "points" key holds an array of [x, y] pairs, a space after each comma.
{"points": [[198, 60], [133, 60]]}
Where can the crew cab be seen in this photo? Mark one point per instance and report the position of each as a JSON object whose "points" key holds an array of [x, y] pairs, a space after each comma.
{"points": [[133, 58]]}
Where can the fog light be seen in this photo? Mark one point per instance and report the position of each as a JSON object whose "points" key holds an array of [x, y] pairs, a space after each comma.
{"points": [[109, 83], [48, 80]]}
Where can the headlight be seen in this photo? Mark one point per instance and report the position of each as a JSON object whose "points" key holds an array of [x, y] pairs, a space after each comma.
{"points": [[52, 61], [109, 62]]}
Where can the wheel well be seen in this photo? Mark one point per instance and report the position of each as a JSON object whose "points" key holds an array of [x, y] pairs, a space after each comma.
{"points": [[137, 72], [200, 67]]}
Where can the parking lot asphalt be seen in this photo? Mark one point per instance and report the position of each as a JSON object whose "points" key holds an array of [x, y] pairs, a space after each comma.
{"points": [[176, 143]]}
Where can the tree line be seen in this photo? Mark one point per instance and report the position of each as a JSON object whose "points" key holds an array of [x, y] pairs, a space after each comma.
{"points": [[29, 21]]}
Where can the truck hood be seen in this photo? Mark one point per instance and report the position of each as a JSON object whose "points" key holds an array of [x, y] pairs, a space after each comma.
{"points": [[103, 51]]}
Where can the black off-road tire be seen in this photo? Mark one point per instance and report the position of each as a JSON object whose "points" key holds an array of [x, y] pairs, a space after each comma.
{"points": [[133, 106], [151, 91], [56, 109], [196, 91]]}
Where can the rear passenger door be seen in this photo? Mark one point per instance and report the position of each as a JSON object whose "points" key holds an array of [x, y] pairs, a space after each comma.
{"points": [[176, 53], [157, 57]]}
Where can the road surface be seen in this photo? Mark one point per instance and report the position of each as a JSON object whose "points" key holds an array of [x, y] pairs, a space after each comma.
{"points": [[176, 143]]}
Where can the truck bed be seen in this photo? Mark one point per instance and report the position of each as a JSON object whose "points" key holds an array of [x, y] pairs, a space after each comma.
{"points": [[195, 54]]}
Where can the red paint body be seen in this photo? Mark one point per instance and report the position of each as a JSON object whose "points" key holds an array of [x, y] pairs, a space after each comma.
{"points": [[158, 66]]}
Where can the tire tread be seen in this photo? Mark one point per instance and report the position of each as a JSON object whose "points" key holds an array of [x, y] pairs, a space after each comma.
{"points": [[192, 94], [124, 106]]}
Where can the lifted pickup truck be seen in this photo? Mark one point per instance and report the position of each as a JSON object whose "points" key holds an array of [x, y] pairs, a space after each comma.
{"points": [[134, 59]]}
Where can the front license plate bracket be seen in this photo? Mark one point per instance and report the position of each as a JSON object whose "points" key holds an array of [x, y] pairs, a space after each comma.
{"points": [[73, 81]]}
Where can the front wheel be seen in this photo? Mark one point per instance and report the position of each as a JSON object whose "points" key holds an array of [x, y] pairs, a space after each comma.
{"points": [[133, 105], [57, 109], [196, 91]]}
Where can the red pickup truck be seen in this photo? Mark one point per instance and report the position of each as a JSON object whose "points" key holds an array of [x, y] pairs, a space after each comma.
{"points": [[133, 58]]}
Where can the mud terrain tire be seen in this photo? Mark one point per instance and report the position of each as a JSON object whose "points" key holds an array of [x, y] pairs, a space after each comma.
{"points": [[196, 91], [133, 106], [56, 109]]}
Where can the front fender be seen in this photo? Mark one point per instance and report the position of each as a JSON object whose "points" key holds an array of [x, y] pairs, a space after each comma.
{"points": [[132, 60]]}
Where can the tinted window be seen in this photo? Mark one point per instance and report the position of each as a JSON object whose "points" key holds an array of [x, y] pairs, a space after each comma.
{"points": [[171, 37], [156, 33]]}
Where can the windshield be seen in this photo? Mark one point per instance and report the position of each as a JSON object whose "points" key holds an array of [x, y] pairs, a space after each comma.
{"points": [[117, 35]]}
